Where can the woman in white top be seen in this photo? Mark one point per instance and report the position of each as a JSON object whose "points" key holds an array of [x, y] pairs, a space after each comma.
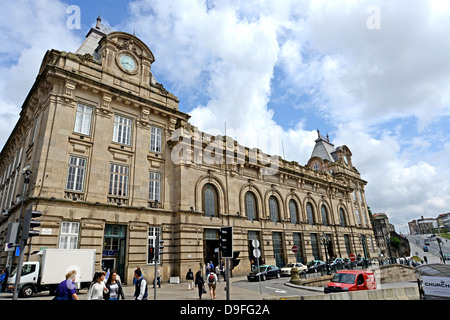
{"points": [[97, 287]]}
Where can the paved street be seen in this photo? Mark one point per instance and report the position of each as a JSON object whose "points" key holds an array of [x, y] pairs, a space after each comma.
{"points": [[417, 242], [241, 289]]}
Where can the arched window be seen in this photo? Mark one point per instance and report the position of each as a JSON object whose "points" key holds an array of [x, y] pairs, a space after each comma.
{"points": [[210, 201], [324, 212], [310, 213], [293, 211], [273, 207], [342, 217], [250, 205]]}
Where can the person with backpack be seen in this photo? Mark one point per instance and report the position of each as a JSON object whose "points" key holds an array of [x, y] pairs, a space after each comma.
{"points": [[211, 280]]}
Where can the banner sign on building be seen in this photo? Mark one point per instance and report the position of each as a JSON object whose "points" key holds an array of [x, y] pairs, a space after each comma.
{"points": [[436, 286]]}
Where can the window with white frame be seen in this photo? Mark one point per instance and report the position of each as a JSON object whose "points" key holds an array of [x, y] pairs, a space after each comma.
{"points": [[35, 129], [75, 175], [122, 130], [155, 139], [83, 119], [68, 238], [118, 180], [154, 188], [153, 232]]}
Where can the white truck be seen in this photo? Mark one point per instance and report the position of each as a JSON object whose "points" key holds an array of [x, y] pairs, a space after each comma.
{"points": [[51, 269]]}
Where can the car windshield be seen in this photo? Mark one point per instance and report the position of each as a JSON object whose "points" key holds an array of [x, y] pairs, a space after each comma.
{"points": [[290, 265], [262, 269], [344, 278]]}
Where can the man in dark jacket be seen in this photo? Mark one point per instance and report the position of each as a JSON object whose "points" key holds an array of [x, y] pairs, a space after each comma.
{"points": [[190, 279], [141, 286]]}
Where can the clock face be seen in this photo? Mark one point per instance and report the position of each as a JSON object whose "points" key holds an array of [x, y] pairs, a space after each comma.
{"points": [[127, 62]]}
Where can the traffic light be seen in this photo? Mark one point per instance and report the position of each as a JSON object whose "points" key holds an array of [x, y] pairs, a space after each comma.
{"points": [[159, 246], [226, 242], [151, 254], [29, 224]]}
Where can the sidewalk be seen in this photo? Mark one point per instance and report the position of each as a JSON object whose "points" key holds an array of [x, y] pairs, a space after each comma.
{"points": [[172, 291]]}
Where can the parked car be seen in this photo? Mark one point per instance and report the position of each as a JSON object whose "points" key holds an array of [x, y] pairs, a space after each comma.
{"points": [[265, 272], [425, 248], [337, 264], [316, 266], [349, 264], [427, 242], [351, 280], [286, 271]]}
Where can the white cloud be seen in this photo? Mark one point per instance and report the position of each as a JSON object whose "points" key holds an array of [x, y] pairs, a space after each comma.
{"points": [[361, 80], [225, 59], [28, 30]]}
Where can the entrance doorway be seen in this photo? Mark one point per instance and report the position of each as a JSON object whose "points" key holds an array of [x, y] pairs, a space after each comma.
{"points": [[211, 246], [114, 247], [278, 251]]}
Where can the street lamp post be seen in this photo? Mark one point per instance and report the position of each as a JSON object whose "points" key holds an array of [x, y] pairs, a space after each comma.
{"points": [[363, 243], [26, 173], [325, 242]]}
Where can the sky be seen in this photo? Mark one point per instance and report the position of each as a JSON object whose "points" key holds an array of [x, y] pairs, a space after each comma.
{"points": [[373, 75]]}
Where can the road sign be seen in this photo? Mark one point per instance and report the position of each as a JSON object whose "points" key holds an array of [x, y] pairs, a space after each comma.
{"points": [[255, 243], [256, 253], [352, 257], [294, 249]]}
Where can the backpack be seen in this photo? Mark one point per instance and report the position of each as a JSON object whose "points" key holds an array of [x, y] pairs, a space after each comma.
{"points": [[211, 278]]}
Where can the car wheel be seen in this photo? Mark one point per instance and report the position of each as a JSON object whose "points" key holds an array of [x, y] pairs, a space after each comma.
{"points": [[278, 275], [263, 277], [27, 291]]}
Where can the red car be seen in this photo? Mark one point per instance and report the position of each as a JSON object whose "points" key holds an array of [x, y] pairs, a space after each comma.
{"points": [[351, 280]]}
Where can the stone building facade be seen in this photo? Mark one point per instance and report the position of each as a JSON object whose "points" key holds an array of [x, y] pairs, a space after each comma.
{"points": [[114, 163]]}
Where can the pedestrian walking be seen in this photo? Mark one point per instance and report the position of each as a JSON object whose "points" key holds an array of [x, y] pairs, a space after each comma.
{"points": [[98, 287], [207, 269], [5, 283], [158, 279], [211, 280], [114, 287], [67, 290], [2, 279], [190, 279], [200, 283], [217, 272], [141, 286]]}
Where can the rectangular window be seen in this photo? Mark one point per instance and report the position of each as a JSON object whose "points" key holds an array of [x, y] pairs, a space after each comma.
{"points": [[298, 243], [118, 180], [35, 129], [122, 130], [315, 246], [155, 139], [154, 188], [83, 120], [69, 235], [278, 249], [75, 176], [347, 243]]}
